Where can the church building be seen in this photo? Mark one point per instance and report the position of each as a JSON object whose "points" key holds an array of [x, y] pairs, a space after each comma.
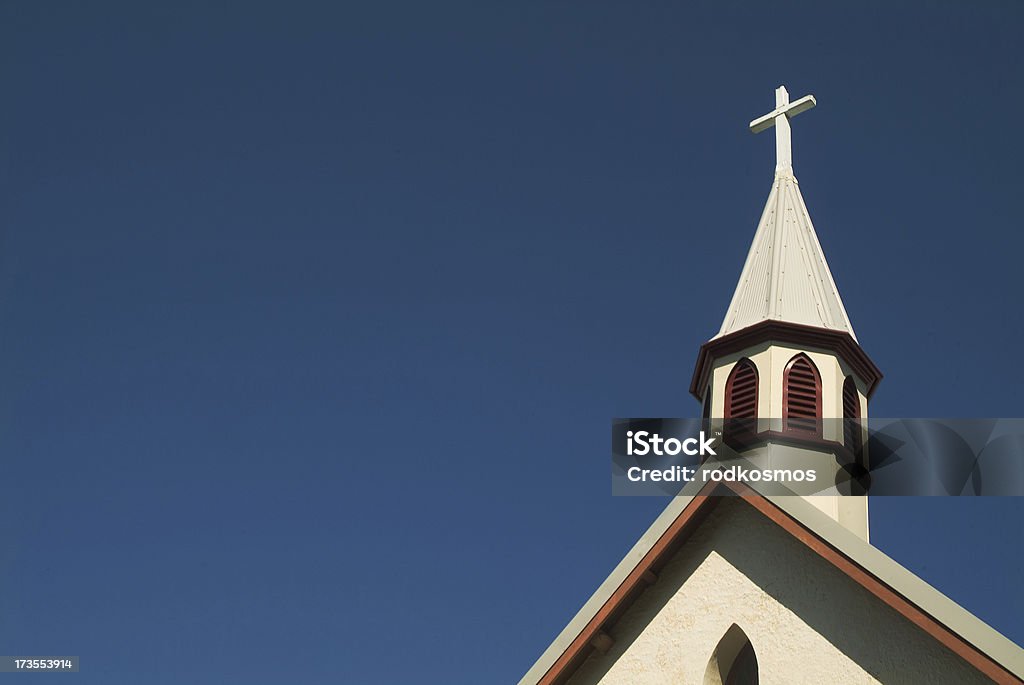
{"points": [[735, 586]]}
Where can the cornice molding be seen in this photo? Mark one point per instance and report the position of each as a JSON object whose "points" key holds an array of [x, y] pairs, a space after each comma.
{"points": [[839, 342]]}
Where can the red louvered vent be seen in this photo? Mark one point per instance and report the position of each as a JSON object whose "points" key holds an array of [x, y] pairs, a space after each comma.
{"points": [[851, 412], [801, 400], [741, 398]]}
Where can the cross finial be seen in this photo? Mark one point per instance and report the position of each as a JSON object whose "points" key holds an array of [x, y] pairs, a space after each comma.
{"points": [[779, 118]]}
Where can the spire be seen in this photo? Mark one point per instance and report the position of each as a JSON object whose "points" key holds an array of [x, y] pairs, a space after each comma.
{"points": [[785, 277]]}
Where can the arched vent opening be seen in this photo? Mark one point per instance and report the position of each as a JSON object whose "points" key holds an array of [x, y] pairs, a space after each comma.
{"points": [[741, 399], [741, 391], [801, 400], [733, 661], [852, 436]]}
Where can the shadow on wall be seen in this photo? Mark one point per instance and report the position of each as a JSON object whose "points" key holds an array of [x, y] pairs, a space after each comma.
{"points": [[733, 661], [874, 636]]}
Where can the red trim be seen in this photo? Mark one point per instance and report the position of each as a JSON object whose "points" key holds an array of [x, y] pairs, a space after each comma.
{"points": [[838, 342], [679, 531], [630, 588], [740, 366], [852, 436], [793, 422], [956, 644]]}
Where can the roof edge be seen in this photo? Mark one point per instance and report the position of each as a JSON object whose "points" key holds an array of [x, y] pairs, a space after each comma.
{"points": [[966, 635], [840, 342]]}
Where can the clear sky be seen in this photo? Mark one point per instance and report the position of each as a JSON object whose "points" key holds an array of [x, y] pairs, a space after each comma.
{"points": [[313, 316]]}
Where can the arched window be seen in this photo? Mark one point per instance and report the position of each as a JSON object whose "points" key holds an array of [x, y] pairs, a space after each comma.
{"points": [[733, 661], [801, 397], [852, 436]]}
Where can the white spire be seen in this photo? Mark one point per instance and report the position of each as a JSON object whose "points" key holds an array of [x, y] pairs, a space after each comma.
{"points": [[785, 277]]}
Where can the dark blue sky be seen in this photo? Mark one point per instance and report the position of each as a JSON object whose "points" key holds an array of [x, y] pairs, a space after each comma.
{"points": [[313, 316]]}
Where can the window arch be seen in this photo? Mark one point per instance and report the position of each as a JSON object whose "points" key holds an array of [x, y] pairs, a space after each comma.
{"points": [[852, 436], [733, 661], [801, 397]]}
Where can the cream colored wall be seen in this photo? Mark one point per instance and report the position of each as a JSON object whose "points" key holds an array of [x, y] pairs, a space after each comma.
{"points": [[771, 359], [808, 622]]}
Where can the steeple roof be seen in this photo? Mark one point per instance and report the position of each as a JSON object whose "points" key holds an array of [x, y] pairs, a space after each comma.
{"points": [[785, 277]]}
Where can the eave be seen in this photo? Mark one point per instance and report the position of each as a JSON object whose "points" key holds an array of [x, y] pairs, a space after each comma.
{"points": [[840, 342], [925, 607]]}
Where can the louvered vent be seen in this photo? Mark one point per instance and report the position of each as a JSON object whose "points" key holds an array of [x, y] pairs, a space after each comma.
{"points": [[741, 392], [851, 412], [741, 402], [802, 401]]}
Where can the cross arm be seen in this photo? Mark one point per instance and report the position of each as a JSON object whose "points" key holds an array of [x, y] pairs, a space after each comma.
{"points": [[790, 110]]}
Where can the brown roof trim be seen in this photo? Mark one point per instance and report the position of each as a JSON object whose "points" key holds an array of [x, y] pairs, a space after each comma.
{"points": [[680, 530], [579, 649], [785, 332], [946, 637]]}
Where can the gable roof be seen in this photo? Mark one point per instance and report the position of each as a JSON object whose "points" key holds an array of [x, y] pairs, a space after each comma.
{"points": [[947, 622], [786, 277]]}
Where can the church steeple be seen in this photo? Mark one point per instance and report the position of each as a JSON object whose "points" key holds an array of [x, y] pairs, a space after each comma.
{"points": [[786, 362], [785, 277]]}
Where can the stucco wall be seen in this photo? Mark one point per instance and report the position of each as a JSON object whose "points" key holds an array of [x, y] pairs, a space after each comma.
{"points": [[808, 622]]}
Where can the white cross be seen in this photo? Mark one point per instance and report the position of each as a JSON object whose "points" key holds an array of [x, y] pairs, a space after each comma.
{"points": [[779, 118]]}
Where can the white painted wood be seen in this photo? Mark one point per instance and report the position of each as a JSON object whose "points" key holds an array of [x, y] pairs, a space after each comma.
{"points": [[779, 118]]}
